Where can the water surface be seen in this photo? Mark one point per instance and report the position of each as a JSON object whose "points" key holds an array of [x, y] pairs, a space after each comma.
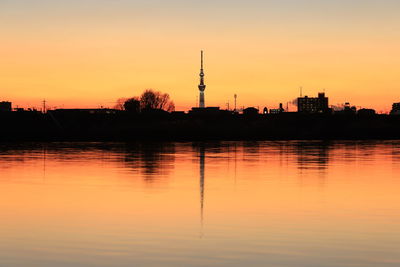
{"points": [[200, 204]]}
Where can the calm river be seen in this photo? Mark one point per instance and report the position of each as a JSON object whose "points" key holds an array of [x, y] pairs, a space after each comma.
{"points": [[200, 204]]}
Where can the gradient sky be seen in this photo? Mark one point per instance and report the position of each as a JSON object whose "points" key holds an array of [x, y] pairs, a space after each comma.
{"points": [[89, 53]]}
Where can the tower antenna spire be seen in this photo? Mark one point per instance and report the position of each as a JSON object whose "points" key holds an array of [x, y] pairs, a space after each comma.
{"points": [[201, 59], [202, 86]]}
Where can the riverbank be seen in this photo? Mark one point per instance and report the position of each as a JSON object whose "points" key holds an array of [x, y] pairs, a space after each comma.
{"points": [[123, 126]]}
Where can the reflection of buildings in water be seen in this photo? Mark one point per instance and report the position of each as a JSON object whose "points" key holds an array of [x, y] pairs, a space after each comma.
{"points": [[18, 153], [396, 154], [312, 155], [235, 161], [349, 150], [251, 147], [44, 161], [251, 151], [151, 160], [312, 160]]}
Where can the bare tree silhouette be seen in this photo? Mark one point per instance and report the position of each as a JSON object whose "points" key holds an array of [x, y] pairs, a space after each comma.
{"points": [[120, 103], [151, 99]]}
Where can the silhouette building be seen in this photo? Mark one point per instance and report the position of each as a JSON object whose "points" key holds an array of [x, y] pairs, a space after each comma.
{"points": [[5, 106], [202, 86], [348, 109], [80, 111], [313, 104], [277, 110], [250, 111], [366, 112], [395, 109]]}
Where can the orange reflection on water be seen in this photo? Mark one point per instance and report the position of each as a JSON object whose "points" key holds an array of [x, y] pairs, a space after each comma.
{"points": [[223, 203]]}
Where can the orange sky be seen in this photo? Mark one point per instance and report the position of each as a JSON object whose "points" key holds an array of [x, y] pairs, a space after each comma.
{"points": [[89, 54]]}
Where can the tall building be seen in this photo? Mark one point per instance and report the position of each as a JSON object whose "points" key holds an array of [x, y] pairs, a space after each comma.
{"points": [[202, 86], [313, 104], [5, 106], [395, 109]]}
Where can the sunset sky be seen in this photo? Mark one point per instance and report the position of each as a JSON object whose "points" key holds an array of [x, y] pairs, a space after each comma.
{"points": [[89, 53]]}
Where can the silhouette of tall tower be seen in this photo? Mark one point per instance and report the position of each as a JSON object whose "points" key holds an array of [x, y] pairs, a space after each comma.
{"points": [[202, 86]]}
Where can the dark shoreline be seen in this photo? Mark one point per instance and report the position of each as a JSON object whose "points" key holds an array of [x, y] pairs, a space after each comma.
{"points": [[123, 126]]}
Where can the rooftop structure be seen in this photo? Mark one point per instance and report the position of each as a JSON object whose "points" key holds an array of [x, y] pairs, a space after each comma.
{"points": [[313, 104], [277, 110], [250, 111], [366, 112]]}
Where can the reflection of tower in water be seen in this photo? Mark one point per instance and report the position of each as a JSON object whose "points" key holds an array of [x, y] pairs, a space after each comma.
{"points": [[202, 166]]}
